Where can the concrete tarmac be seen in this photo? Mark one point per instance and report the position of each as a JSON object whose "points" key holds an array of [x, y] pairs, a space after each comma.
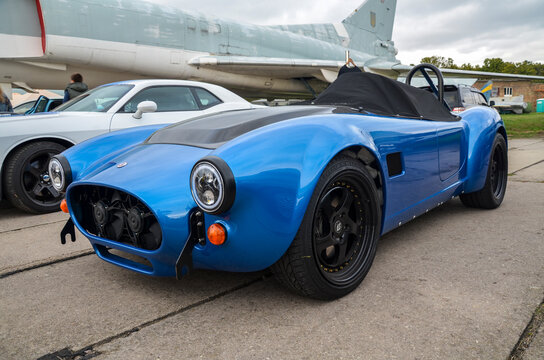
{"points": [[456, 283]]}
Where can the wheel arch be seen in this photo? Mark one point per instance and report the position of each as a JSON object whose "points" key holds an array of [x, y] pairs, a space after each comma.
{"points": [[371, 163], [484, 124], [501, 130], [64, 142]]}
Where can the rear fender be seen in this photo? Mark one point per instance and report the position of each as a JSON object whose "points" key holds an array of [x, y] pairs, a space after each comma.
{"points": [[483, 124]]}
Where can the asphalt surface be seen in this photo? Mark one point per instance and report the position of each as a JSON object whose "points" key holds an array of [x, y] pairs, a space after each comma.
{"points": [[456, 283]]}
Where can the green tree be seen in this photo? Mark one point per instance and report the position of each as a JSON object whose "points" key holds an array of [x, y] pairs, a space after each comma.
{"points": [[440, 62], [493, 65], [525, 67], [497, 65]]}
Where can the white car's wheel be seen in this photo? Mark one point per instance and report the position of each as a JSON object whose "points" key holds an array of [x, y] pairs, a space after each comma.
{"points": [[26, 179]]}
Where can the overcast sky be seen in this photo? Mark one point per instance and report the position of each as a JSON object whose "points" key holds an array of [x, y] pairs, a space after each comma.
{"points": [[466, 30]]}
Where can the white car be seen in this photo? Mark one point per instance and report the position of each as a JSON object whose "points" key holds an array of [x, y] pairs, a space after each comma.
{"points": [[27, 142]]}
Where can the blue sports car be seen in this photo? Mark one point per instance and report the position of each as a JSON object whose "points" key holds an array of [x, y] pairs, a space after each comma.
{"points": [[306, 190]]}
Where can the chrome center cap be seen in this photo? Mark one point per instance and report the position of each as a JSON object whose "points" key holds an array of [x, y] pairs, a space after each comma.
{"points": [[338, 227], [46, 177]]}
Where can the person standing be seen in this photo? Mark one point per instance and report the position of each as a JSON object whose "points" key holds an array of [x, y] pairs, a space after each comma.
{"points": [[5, 104], [75, 87]]}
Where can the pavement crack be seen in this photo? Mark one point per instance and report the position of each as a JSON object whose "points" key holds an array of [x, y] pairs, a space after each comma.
{"points": [[47, 263], [526, 167], [529, 333], [89, 351], [31, 226]]}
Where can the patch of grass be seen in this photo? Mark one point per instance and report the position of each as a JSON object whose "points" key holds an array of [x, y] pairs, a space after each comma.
{"points": [[524, 125]]}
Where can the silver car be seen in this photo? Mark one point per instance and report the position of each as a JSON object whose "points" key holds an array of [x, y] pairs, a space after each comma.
{"points": [[27, 142]]}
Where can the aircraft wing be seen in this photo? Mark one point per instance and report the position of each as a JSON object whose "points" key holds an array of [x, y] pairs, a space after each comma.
{"points": [[324, 70], [404, 69]]}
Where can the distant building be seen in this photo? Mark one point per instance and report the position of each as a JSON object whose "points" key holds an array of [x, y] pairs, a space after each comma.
{"points": [[529, 89]]}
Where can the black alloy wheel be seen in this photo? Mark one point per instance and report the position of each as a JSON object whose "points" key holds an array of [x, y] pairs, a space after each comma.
{"points": [[492, 194], [336, 242], [341, 229], [27, 182], [498, 173]]}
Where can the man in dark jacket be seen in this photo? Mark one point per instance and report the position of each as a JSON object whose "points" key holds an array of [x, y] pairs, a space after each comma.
{"points": [[75, 87]]}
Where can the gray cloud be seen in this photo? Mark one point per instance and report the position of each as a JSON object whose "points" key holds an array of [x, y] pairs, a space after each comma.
{"points": [[470, 31], [465, 30]]}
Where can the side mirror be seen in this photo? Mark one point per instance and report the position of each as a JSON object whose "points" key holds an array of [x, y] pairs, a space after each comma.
{"points": [[492, 103], [145, 107]]}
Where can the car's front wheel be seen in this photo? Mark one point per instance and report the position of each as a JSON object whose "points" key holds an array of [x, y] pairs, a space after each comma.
{"points": [[336, 242], [27, 183]]}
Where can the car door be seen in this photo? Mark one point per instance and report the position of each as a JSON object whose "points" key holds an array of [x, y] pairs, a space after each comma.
{"points": [[39, 106], [450, 140], [409, 153], [174, 103]]}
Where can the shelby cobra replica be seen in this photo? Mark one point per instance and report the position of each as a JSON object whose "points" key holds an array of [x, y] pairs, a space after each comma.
{"points": [[305, 189]]}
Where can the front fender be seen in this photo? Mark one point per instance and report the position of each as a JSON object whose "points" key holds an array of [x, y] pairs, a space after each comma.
{"points": [[276, 170], [91, 154], [483, 124]]}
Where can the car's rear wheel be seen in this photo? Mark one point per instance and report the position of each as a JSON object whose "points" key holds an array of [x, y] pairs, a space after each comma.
{"points": [[492, 194], [336, 242], [26, 179]]}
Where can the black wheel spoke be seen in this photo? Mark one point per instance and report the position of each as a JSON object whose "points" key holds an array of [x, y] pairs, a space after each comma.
{"points": [[342, 249], [350, 224], [52, 191], [346, 201], [34, 172], [37, 189], [324, 242], [326, 207]]}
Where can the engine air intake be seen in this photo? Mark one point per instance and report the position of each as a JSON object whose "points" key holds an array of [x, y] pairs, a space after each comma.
{"points": [[115, 215]]}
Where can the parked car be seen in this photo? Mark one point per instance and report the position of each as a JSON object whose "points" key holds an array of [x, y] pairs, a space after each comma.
{"points": [[461, 97], [305, 189], [42, 104], [27, 142]]}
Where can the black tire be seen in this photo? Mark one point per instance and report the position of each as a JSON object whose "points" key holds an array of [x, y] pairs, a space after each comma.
{"points": [[26, 181], [492, 194], [336, 242]]}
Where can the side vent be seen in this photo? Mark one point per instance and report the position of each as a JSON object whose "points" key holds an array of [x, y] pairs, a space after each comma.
{"points": [[394, 164]]}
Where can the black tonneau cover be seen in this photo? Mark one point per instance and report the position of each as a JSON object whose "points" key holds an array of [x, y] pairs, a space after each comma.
{"points": [[351, 92], [383, 96], [212, 131]]}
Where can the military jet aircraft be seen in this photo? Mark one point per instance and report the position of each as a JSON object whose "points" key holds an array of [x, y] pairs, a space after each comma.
{"points": [[44, 41]]}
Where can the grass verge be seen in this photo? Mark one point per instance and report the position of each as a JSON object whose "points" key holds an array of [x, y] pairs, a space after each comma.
{"points": [[524, 125]]}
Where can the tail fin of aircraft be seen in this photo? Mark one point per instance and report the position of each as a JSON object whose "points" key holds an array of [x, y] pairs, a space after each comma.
{"points": [[486, 90], [373, 19]]}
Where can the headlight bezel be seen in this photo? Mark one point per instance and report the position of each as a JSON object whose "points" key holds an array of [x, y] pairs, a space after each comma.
{"points": [[66, 172], [226, 182]]}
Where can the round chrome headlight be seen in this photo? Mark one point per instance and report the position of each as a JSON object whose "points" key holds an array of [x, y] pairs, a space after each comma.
{"points": [[212, 185], [56, 173]]}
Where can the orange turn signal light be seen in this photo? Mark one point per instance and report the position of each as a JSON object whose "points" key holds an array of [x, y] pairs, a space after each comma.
{"points": [[64, 206], [217, 234]]}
